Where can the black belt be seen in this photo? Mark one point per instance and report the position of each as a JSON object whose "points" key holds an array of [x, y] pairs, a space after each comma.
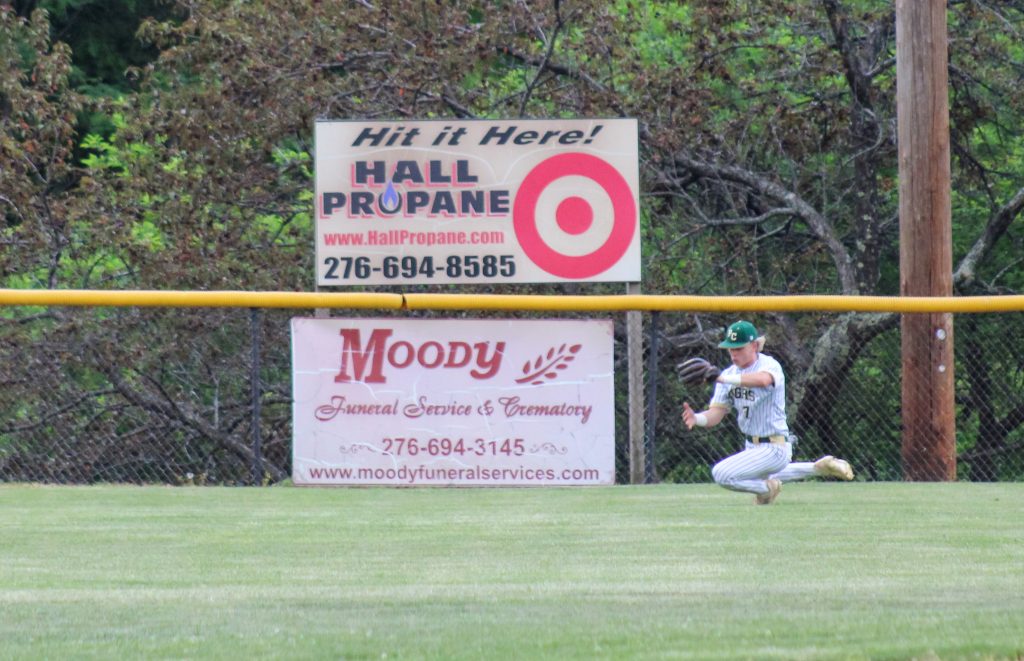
{"points": [[774, 438]]}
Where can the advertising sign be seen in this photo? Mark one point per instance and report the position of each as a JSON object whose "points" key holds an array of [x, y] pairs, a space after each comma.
{"points": [[413, 402], [477, 202]]}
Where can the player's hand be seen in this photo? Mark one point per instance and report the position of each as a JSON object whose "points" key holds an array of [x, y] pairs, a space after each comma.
{"points": [[689, 418]]}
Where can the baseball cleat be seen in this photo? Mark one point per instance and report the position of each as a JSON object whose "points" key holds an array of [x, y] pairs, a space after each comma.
{"points": [[832, 467], [774, 487]]}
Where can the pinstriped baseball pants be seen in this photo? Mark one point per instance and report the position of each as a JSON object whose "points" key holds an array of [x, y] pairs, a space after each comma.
{"points": [[747, 470]]}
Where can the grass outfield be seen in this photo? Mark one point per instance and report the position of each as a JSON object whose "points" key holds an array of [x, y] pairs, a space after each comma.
{"points": [[831, 571]]}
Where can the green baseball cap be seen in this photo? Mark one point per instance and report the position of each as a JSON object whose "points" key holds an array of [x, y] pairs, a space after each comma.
{"points": [[738, 335]]}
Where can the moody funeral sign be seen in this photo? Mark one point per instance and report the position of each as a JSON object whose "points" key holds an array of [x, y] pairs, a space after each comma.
{"points": [[411, 402]]}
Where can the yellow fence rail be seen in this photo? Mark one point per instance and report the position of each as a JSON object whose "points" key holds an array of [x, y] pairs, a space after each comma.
{"points": [[396, 301]]}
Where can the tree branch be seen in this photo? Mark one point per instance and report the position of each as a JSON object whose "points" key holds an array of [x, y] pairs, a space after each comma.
{"points": [[966, 273], [55, 413], [551, 66], [751, 220], [169, 410], [818, 224]]}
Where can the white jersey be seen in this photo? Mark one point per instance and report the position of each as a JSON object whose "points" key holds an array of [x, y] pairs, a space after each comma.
{"points": [[760, 411]]}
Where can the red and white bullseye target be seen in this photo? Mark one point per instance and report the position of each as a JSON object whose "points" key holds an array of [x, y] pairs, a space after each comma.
{"points": [[574, 215]]}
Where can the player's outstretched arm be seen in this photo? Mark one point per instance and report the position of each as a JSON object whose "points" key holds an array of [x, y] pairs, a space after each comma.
{"points": [[708, 418]]}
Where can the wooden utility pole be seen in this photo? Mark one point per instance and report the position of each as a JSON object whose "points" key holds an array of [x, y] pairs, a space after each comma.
{"points": [[926, 258]]}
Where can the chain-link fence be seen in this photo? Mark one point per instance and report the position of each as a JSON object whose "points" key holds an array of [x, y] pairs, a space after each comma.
{"points": [[140, 395], [844, 394], [202, 396]]}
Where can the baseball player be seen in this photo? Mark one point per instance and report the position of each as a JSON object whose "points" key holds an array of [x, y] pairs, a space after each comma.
{"points": [[755, 386]]}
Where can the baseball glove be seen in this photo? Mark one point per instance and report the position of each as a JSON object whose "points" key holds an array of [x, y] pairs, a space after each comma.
{"points": [[696, 371]]}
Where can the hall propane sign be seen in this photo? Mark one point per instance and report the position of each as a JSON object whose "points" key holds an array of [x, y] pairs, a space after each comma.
{"points": [[477, 201]]}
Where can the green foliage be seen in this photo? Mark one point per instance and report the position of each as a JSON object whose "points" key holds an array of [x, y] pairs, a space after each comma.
{"points": [[102, 37], [37, 138], [657, 32], [103, 154]]}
